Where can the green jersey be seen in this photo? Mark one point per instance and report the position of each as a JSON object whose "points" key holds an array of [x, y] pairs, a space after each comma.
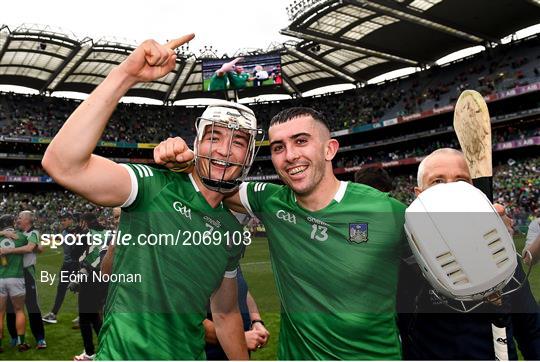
{"points": [[335, 269], [91, 256], [161, 315], [14, 267], [238, 81], [218, 83]]}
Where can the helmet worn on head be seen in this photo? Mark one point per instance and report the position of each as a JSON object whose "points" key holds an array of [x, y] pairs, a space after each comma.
{"points": [[234, 117], [460, 242]]}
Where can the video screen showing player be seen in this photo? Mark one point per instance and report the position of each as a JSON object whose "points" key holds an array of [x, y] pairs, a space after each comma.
{"points": [[241, 72]]}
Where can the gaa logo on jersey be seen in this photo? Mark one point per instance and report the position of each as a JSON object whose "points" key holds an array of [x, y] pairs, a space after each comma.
{"points": [[358, 232]]}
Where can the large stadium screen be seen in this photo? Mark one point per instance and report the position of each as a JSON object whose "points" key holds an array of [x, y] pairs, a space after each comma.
{"points": [[248, 72]]}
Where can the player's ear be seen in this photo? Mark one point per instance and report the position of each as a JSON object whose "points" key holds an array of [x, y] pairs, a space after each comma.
{"points": [[417, 190], [332, 146]]}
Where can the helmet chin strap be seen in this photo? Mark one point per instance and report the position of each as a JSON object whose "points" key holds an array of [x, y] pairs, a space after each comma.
{"points": [[221, 186], [218, 185]]}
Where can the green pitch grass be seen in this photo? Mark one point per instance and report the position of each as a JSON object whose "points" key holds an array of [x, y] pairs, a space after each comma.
{"points": [[65, 342]]}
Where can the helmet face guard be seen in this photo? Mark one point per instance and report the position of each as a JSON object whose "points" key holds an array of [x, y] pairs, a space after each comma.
{"points": [[236, 120]]}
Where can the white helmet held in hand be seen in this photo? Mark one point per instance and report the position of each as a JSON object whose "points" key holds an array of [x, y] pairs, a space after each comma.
{"points": [[460, 242]]}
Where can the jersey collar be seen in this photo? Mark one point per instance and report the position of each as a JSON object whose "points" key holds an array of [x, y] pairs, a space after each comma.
{"points": [[194, 183], [339, 194], [341, 191]]}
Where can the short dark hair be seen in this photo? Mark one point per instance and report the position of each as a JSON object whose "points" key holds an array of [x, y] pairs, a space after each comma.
{"points": [[66, 215], [91, 220], [295, 112], [6, 221], [375, 177]]}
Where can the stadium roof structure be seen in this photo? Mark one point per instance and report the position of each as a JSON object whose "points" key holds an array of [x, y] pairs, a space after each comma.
{"points": [[361, 39], [339, 41]]}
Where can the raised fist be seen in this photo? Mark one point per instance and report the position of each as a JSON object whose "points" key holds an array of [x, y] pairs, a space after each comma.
{"points": [[174, 154]]}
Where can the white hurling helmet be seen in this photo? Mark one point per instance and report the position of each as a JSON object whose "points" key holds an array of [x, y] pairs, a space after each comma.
{"points": [[237, 118], [460, 243]]}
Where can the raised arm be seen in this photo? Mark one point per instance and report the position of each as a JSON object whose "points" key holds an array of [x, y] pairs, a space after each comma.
{"points": [[69, 159], [28, 248]]}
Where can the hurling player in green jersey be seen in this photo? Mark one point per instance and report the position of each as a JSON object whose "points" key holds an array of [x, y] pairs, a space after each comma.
{"points": [[335, 247], [12, 278], [228, 75], [159, 314]]}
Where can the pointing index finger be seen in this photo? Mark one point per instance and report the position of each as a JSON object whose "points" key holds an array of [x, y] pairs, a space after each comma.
{"points": [[175, 43]]}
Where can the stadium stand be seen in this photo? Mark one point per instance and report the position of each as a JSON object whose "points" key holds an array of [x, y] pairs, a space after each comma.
{"points": [[508, 67]]}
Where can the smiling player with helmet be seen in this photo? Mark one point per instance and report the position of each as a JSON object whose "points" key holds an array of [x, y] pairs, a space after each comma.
{"points": [[161, 316]]}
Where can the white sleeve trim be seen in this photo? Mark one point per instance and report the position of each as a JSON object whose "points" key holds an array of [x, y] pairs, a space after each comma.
{"points": [[244, 198], [231, 274], [134, 187], [533, 232]]}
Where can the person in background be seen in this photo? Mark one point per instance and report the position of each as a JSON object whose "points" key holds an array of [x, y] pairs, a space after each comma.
{"points": [[70, 266]]}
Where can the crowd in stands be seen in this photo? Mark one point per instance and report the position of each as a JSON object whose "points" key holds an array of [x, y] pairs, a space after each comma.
{"points": [[425, 146], [420, 148], [22, 170], [49, 205], [41, 116], [491, 71], [343, 159], [516, 185]]}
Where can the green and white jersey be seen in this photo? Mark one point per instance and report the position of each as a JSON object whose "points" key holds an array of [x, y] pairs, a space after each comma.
{"points": [[14, 267], [91, 256], [238, 81], [33, 236], [335, 269], [218, 83], [161, 316]]}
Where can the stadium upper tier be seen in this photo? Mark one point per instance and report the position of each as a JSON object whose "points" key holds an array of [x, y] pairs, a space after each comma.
{"points": [[339, 41], [497, 70]]}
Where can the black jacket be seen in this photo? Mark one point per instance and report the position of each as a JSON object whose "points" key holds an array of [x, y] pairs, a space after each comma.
{"points": [[431, 330]]}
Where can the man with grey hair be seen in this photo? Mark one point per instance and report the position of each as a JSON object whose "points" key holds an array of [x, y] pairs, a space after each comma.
{"points": [[25, 223], [429, 329], [441, 166]]}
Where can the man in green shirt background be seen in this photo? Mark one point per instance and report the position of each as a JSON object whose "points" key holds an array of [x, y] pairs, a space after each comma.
{"points": [[12, 278]]}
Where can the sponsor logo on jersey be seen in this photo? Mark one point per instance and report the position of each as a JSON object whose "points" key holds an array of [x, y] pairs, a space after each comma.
{"points": [[358, 232], [211, 221], [182, 209], [503, 341], [286, 216], [316, 221]]}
